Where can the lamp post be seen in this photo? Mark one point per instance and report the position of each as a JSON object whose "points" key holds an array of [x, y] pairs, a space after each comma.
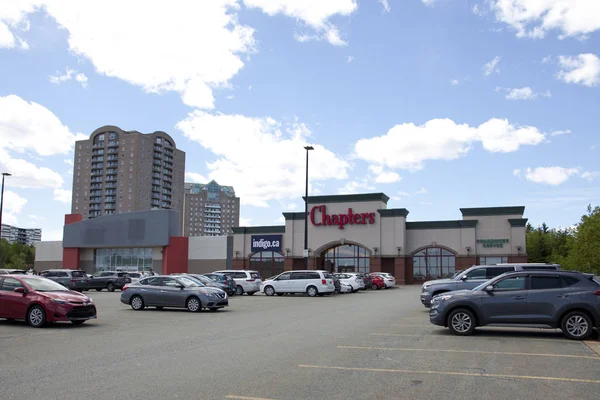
{"points": [[305, 253], [4, 174]]}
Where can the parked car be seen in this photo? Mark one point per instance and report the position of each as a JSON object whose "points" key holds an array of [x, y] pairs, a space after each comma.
{"points": [[377, 282], [222, 278], [206, 281], [352, 280], [38, 300], [313, 283], [360, 279], [337, 285], [5, 271], [556, 299], [246, 281], [109, 280], [135, 276], [345, 288], [388, 279], [72, 279], [367, 279], [173, 291], [475, 276]]}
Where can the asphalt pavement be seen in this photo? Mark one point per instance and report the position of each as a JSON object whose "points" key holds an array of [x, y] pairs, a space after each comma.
{"points": [[368, 345]]}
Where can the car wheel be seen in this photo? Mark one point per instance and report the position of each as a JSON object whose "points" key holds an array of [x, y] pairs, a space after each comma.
{"points": [[312, 291], [239, 290], [36, 317], [461, 322], [576, 325], [193, 304], [78, 322], [110, 287], [137, 303], [269, 291]]}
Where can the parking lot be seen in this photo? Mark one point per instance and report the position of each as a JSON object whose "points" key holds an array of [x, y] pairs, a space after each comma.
{"points": [[369, 345]]}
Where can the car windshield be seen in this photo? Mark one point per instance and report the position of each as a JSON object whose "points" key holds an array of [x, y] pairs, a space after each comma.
{"points": [[203, 279], [44, 285]]}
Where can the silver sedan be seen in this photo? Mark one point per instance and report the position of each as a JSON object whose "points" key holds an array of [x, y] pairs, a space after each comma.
{"points": [[173, 291]]}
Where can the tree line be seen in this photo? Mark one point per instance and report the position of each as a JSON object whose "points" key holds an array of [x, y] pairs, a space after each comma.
{"points": [[576, 248], [16, 255]]}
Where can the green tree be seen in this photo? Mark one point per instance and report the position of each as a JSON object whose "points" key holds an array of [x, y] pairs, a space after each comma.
{"points": [[10, 252], [585, 253], [17, 262]]}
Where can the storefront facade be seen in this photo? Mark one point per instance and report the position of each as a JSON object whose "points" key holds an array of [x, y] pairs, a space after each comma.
{"points": [[359, 233]]}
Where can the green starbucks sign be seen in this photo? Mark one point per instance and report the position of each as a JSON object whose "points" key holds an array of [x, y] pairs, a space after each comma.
{"points": [[492, 242]]}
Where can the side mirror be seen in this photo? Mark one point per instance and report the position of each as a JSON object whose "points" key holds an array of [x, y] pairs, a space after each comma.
{"points": [[21, 290], [180, 286], [463, 278], [489, 288]]}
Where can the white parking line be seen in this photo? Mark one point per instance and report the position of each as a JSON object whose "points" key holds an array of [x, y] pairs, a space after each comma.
{"points": [[470, 352], [482, 375], [481, 337], [232, 396]]}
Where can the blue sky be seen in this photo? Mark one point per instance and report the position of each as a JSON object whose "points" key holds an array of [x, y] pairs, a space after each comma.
{"points": [[439, 104]]}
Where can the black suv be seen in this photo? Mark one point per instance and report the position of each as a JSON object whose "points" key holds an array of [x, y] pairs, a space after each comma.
{"points": [[109, 280], [552, 299]]}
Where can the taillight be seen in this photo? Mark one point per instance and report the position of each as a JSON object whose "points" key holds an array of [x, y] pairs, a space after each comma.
{"points": [[73, 280], [250, 280], [124, 288], [323, 282], [597, 292]]}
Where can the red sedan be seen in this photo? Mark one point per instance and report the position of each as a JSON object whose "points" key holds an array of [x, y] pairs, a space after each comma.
{"points": [[39, 300], [377, 282]]}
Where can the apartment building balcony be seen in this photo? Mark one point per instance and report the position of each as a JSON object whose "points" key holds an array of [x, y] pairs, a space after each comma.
{"points": [[113, 143]]}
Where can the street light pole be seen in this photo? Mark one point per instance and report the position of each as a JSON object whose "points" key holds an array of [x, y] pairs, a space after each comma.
{"points": [[305, 253], [4, 174]]}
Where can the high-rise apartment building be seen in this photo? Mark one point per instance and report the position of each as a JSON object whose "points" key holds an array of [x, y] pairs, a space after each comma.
{"points": [[20, 235], [210, 210], [119, 171]]}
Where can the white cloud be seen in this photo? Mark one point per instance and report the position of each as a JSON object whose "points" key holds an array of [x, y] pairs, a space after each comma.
{"points": [[34, 217], [12, 18], [524, 93], [63, 195], [52, 234], [28, 125], [314, 13], [546, 59], [491, 66], [356, 186], [583, 69], [171, 58], [551, 175], [280, 220], [194, 177], [534, 18], [349, 59], [382, 176], [454, 82], [400, 196], [82, 79], [28, 175], [559, 133], [60, 78], [429, 2], [9, 219], [261, 158], [69, 161], [386, 5], [590, 175], [13, 203], [408, 146], [245, 221], [422, 190]]}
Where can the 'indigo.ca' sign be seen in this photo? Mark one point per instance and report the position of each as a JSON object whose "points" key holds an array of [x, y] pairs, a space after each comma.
{"points": [[266, 243]]}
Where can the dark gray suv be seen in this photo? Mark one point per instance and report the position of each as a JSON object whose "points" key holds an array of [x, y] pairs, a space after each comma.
{"points": [[551, 299], [475, 276]]}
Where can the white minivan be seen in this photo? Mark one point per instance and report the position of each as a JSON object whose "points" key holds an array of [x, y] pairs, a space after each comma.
{"points": [[313, 283], [246, 281]]}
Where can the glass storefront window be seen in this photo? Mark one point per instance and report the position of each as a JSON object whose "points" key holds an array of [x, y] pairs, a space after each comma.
{"points": [[132, 259], [347, 258], [433, 263], [492, 260], [267, 263]]}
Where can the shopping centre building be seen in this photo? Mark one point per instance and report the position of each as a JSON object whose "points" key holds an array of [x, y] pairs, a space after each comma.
{"points": [[359, 233], [345, 233]]}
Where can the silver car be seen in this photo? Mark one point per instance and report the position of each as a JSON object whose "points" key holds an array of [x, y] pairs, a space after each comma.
{"points": [[173, 291]]}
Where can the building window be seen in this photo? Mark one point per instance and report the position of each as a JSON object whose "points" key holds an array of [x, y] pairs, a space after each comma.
{"points": [[492, 260], [267, 263], [346, 258], [132, 259], [433, 263]]}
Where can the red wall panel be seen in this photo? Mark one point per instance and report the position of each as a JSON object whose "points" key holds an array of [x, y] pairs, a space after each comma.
{"points": [[71, 255], [175, 255]]}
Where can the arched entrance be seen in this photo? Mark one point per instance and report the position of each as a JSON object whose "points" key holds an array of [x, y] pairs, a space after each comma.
{"points": [[267, 263], [433, 263], [346, 258]]}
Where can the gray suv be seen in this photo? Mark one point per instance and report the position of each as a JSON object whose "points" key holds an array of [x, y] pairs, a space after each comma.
{"points": [[475, 276], [551, 299]]}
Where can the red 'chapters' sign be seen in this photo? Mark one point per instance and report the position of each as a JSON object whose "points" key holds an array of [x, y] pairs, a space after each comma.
{"points": [[319, 216]]}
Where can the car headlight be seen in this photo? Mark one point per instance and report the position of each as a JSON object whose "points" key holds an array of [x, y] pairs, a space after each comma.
{"points": [[425, 287], [442, 297], [60, 301], [211, 294]]}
